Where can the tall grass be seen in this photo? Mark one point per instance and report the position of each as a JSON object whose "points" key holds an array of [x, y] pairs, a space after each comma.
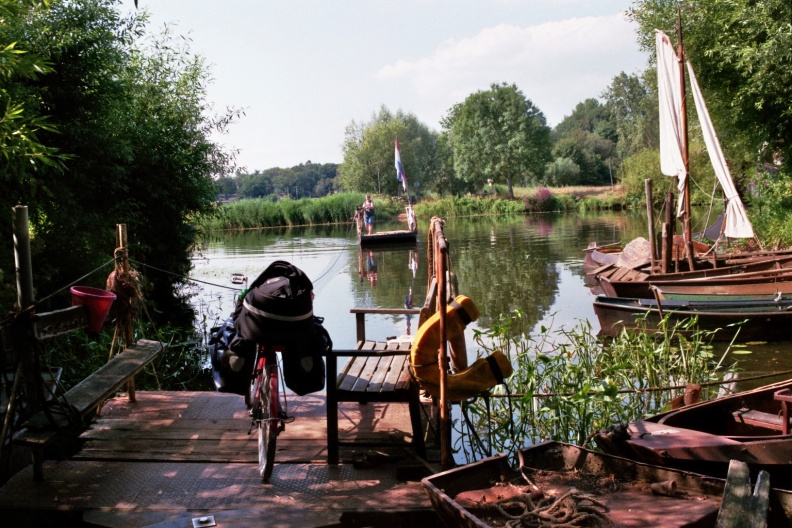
{"points": [[468, 206], [266, 212], [588, 384]]}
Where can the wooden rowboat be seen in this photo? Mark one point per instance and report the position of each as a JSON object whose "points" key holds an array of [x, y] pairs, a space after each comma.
{"points": [[636, 284], [464, 496], [758, 320], [735, 292], [752, 427], [402, 237]]}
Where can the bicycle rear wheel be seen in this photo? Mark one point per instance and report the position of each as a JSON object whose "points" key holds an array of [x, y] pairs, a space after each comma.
{"points": [[268, 424]]}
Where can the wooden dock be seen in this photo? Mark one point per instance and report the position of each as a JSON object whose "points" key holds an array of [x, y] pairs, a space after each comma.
{"points": [[172, 457]]}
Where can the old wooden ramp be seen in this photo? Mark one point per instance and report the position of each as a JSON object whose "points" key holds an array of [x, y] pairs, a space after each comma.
{"points": [[173, 457]]}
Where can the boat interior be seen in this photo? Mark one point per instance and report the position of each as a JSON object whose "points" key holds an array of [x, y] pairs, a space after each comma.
{"points": [[759, 414]]}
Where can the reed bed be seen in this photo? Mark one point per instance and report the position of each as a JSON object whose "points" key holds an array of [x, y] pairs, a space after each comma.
{"points": [[253, 213], [569, 383]]}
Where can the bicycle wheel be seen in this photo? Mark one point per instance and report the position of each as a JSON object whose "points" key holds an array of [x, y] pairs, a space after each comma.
{"points": [[268, 426]]}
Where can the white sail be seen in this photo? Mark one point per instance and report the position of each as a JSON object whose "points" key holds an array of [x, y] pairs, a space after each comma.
{"points": [[669, 88], [736, 223], [672, 162]]}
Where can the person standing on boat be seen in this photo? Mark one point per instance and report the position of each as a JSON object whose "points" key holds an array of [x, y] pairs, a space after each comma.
{"points": [[368, 213]]}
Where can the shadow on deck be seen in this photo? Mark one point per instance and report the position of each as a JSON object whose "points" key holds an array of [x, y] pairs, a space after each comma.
{"points": [[172, 457]]}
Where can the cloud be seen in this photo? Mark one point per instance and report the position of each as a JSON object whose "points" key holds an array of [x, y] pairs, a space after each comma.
{"points": [[555, 64]]}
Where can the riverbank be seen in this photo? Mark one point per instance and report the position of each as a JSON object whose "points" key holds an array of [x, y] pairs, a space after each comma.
{"points": [[340, 208]]}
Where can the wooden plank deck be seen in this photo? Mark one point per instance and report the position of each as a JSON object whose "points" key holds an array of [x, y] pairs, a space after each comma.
{"points": [[172, 456]]}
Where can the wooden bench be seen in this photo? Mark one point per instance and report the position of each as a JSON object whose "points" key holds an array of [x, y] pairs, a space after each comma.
{"points": [[39, 432], [759, 419], [375, 372]]}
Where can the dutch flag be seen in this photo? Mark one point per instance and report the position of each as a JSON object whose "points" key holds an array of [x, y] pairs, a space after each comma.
{"points": [[400, 168]]}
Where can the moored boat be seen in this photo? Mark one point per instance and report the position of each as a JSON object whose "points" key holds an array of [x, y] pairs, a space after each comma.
{"points": [[751, 426], [732, 291], [465, 496], [757, 320], [636, 284]]}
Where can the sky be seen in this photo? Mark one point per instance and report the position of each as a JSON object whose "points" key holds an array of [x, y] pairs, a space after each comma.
{"points": [[304, 70]]}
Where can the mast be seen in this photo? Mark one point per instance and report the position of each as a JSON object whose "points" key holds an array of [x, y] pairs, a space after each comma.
{"points": [[688, 236]]}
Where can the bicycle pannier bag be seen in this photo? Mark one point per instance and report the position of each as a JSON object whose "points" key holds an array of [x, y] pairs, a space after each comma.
{"points": [[232, 359], [278, 305], [303, 362]]}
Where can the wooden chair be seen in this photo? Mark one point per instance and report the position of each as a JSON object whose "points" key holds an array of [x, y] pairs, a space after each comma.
{"points": [[375, 372]]}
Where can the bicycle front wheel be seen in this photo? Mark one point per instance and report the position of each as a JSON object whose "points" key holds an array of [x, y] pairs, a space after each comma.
{"points": [[267, 426]]}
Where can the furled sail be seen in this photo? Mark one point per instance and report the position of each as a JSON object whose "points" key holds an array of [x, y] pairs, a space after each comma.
{"points": [[669, 88], [737, 223], [672, 162]]}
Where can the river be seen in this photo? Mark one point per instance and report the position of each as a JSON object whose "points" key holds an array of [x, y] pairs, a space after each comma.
{"points": [[533, 264]]}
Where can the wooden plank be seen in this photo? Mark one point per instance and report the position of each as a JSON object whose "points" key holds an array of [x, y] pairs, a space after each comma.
{"points": [[51, 324], [404, 376], [96, 388], [352, 373], [363, 380], [739, 507], [384, 311], [380, 375]]}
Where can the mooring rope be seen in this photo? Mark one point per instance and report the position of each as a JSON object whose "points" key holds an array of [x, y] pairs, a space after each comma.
{"points": [[646, 389], [572, 508]]}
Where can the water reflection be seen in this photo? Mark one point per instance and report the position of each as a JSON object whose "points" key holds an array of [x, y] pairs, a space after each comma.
{"points": [[534, 264]]}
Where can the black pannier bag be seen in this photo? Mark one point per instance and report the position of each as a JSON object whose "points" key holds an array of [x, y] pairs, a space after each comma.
{"points": [[278, 305], [303, 362], [232, 359], [278, 311]]}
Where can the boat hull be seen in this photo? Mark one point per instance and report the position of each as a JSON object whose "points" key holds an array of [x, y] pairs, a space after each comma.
{"points": [[556, 457], [404, 237], [766, 321], [763, 269], [706, 436]]}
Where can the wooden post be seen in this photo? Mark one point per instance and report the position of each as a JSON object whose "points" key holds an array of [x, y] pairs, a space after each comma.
{"points": [[122, 264], [441, 266], [25, 329], [668, 240], [24, 267], [650, 221]]}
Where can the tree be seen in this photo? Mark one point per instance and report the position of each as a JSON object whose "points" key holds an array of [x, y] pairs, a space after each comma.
{"points": [[369, 163], [586, 139], [132, 114], [498, 134], [741, 51], [562, 172], [632, 102]]}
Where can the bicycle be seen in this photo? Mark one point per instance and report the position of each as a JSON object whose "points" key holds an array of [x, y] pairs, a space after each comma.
{"points": [[268, 416]]}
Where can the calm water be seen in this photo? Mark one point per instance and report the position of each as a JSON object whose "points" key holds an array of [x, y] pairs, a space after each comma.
{"points": [[534, 264]]}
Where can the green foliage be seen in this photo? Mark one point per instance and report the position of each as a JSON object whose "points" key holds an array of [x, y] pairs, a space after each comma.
{"points": [[131, 113], [301, 181], [741, 51], [369, 153], [562, 172], [498, 135], [254, 213], [632, 101], [587, 139], [467, 206], [771, 197], [568, 384], [181, 366]]}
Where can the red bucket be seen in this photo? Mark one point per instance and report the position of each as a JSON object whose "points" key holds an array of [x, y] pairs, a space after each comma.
{"points": [[97, 301]]}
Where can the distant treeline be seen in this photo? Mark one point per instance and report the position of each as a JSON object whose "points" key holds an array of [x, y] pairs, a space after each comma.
{"points": [[307, 180]]}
